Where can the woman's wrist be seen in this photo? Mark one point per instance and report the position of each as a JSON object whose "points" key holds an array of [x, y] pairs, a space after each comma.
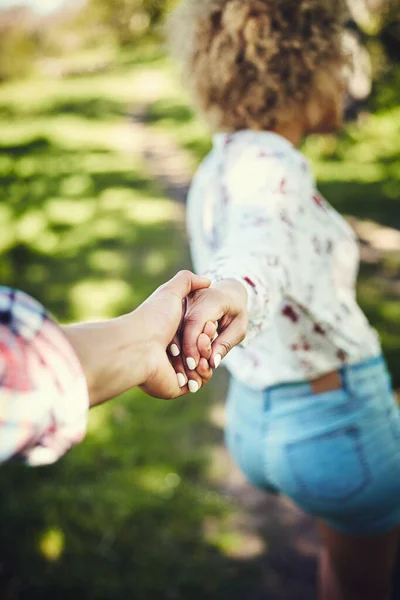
{"points": [[234, 290]]}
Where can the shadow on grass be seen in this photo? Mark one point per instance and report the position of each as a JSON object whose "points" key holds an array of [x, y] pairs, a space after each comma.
{"points": [[121, 516], [40, 144], [89, 108], [169, 111], [93, 108]]}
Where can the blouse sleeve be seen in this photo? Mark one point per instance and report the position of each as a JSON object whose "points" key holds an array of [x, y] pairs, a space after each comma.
{"points": [[43, 393], [258, 235]]}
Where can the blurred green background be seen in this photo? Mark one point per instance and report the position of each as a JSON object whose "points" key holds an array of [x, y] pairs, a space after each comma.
{"points": [[97, 146]]}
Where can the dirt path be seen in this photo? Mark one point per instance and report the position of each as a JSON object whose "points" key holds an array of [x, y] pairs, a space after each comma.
{"points": [[273, 531], [168, 164]]}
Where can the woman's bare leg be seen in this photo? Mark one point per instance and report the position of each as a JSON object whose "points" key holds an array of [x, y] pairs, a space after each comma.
{"points": [[356, 568]]}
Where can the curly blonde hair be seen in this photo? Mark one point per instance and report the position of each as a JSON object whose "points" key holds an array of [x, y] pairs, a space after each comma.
{"points": [[251, 63]]}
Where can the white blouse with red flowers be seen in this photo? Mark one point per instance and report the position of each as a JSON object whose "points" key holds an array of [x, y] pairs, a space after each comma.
{"points": [[255, 215]]}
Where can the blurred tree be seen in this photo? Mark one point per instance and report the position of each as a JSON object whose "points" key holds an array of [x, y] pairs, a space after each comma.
{"points": [[129, 19], [390, 32], [19, 42], [24, 36], [376, 26]]}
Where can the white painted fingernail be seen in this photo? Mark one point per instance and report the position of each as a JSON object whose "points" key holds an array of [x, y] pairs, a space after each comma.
{"points": [[181, 380], [193, 386], [191, 363], [175, 350], [217, 360]]}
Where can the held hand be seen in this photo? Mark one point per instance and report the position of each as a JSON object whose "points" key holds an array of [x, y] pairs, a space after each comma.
{"points": [[194, 379], [226, 303], [159, 319]]}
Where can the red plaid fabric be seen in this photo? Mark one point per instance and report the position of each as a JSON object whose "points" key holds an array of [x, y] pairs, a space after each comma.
{"points": [[43, 394]]}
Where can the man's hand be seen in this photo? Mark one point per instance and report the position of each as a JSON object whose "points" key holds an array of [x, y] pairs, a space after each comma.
{"points": [[130, 351]]}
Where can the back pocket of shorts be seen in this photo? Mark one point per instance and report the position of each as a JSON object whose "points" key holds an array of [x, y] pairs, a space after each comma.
{"points": [[393, 416], [329, 466]]}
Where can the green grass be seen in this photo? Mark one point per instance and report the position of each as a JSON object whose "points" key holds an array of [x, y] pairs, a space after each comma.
{"points": [[87, 232]]}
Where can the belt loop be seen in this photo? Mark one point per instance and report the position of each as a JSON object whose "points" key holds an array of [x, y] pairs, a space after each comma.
{"points": [[267, 400], [344, 372]]}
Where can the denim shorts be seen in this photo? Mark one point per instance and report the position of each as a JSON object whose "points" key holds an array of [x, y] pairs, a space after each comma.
{"points": [[335, 454]]}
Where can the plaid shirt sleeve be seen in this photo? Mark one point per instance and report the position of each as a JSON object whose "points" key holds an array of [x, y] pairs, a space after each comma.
{"points": [[43, 393]]}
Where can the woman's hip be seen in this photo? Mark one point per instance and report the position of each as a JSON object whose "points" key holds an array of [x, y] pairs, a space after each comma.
{"points": [[335, 453]]}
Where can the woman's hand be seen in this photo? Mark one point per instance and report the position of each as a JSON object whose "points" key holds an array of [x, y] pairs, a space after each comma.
{"points": [[226, 303], [194, 379]]}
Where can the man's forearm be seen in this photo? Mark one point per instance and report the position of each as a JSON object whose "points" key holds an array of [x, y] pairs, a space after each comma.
{"points": [[112, 356]]}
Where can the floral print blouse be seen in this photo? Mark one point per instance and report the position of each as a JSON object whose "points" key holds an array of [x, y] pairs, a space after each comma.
{"points": [[255, 215]]}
